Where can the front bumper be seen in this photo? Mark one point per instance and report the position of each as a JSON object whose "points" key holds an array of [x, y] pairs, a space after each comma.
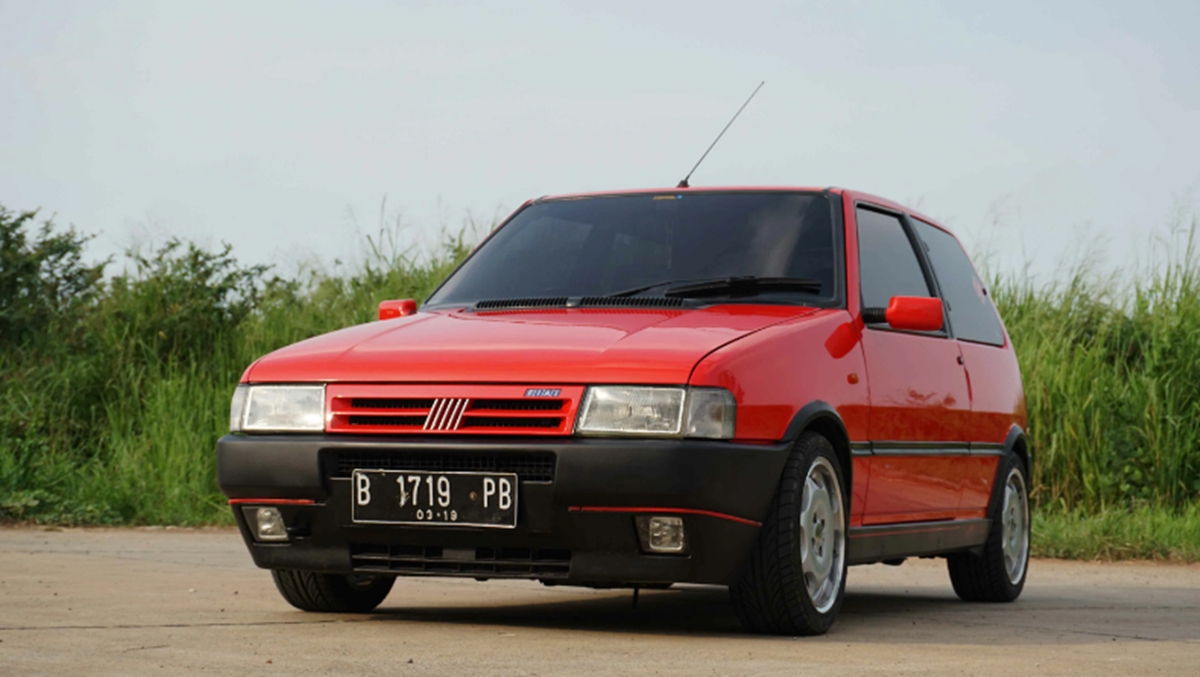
{"points": [[577, 504]]}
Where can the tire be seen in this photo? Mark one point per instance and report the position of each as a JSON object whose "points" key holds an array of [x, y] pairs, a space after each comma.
{"points": [[997, 574], [332, 593], [794, 578]]}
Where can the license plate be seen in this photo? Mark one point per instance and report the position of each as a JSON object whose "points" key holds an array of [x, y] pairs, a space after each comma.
{"points": [[436, 498]]}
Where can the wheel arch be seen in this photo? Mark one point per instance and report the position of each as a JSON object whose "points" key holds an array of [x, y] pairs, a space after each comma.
{"points": [[820, 417], [1016, 443]]}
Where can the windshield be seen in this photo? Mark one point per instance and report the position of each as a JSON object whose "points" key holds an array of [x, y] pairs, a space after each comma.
{"points": [[599, 246]]}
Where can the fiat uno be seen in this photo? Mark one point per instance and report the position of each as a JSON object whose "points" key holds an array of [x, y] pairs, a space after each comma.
{"points": [[751, 387]]}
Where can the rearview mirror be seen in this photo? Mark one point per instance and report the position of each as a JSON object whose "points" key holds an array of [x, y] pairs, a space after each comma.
{"points": [[392, 309], [911, 313]]}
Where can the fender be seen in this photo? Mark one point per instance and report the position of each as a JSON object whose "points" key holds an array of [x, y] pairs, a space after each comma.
{"points": [[1016, 443], [820, 416], [817, 409]]}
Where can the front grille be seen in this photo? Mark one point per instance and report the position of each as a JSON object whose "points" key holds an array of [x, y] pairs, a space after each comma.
{"points": [[528, 466], [469, 422], [397, 421], [518, 405], [441, 409], [475, 562], [389, 403]]}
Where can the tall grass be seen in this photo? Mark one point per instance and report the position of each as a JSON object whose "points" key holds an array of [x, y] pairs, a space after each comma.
{"points": [[110, 407], [1119, 533], [1111, 366], [114, 392]]}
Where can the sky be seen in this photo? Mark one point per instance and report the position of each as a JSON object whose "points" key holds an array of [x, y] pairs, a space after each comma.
{"points": [[1035, 130]]}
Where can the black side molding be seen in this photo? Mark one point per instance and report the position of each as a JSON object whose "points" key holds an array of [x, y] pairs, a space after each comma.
{"points": [[868, 545], [890, 448]]}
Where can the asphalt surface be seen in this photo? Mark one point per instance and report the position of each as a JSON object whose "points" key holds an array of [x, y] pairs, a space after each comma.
{"points": [[162, 601]]}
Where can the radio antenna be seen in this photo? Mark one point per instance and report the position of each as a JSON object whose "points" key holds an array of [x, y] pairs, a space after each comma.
{"points": [[684, 182]]}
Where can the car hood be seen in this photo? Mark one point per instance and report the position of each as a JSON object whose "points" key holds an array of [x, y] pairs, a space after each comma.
{"points": [[526, 346]]}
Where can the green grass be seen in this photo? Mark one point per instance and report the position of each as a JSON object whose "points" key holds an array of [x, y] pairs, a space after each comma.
{"points": [[1111, 366], [112, 399], [1140, 533], [114, 392]]}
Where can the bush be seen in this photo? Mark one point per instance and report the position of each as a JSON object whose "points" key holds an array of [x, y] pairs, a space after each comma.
{"points": [[113, 393], [179, 303], [40, 280], [112, 400]]}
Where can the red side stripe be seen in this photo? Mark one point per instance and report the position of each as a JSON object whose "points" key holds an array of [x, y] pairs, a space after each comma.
{"points": [[678, 511]]}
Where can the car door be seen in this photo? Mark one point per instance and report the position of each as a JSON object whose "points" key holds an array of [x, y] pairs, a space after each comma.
{"points": [[920, 404], [997, 402]]}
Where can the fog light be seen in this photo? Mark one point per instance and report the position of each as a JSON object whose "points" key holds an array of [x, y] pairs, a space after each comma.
{"points": [[662, 534], [666, 534], [268, 524]]}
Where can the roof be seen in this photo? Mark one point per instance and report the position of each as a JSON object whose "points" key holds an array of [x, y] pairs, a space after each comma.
{"points": [[852, 194], [693, 189]]}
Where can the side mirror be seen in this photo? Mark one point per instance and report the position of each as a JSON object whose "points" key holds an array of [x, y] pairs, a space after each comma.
{"points": [[393, 309], [912, 313]]}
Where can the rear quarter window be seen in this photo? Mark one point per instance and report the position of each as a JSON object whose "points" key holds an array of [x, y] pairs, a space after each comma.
{"points": [[972, 315]]}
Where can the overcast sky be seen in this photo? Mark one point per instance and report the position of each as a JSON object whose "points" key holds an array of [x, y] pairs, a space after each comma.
{"points": [[1031, 128]]}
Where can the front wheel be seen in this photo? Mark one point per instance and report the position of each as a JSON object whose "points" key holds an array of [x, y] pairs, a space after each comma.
{"points": [[332, 593], [997, 573], [795, 577]]}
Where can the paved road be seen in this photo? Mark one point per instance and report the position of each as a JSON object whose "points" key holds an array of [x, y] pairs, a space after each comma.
{"points": [[142, 601]]}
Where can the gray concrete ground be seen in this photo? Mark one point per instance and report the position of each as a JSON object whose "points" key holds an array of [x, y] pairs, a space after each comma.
{"points": [[154, 601]]}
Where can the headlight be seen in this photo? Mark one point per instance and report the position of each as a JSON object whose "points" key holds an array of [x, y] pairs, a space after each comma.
{"points": [[278, 409], [632, 410], [657, 411]]}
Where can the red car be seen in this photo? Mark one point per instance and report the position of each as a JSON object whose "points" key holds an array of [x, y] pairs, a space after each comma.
{"points": [[751, 387]]}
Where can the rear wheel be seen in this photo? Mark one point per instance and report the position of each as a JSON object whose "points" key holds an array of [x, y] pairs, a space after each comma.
{"points": [[332, 593], [997, 574], [795, 577]]}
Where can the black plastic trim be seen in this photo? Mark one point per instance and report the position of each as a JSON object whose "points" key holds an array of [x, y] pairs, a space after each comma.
{"points": [[695, 478], [987, 449], [809, 413], [1017, 435], [725, 477], [872, 544], [887, 448], [874, 315]]}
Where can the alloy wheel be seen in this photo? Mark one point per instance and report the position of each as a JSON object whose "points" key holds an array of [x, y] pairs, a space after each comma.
{"points": [[1015, 526], [822, 535]]}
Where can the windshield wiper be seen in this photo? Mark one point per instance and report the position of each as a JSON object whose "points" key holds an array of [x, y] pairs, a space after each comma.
{"points": [[743, 286], [638, 290]]}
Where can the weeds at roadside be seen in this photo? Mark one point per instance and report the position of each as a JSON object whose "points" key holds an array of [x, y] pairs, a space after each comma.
{"points": [[114, 391], [1118, 534]]}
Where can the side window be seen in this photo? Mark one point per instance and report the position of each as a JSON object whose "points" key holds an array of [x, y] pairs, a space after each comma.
{"points": [[972, 314], [887, 264]]}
